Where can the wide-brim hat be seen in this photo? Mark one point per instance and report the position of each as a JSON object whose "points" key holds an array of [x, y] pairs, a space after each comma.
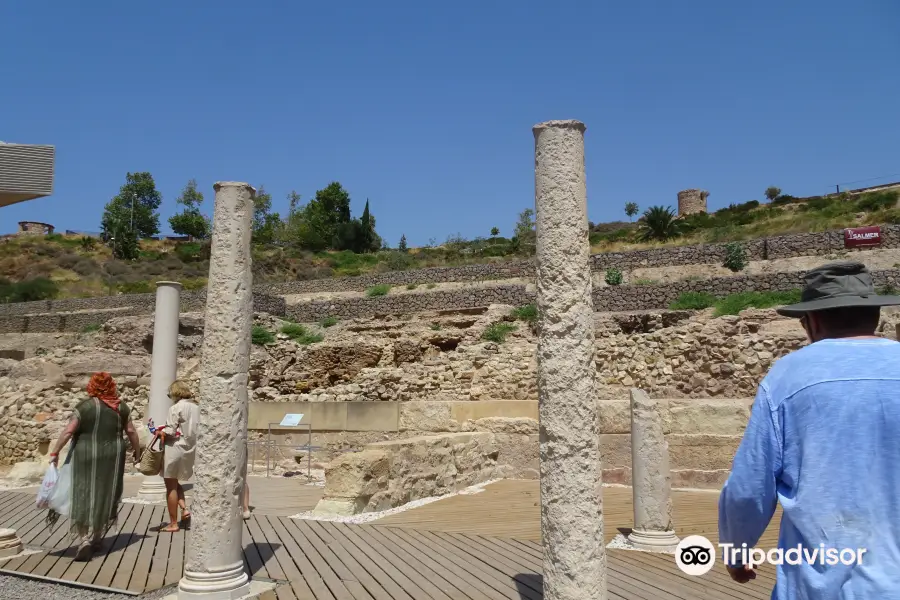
{"points": [[837, 285]]}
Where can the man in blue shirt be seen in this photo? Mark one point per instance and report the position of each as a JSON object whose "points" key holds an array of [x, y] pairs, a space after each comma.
{"points": [[824, 440]]}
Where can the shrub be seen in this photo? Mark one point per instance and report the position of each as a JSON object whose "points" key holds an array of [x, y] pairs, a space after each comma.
{"points": [[886, 290], [660, 223], [693, 301], [613, 276], [735, 257], [197, 283], [262, 336], [68, 260], [497, 332], [527, 313], [735, 303], [87, 243], [378, 290], [300, 334], [435, 326], [189, 251], [30, 290], [398, 261], [329, 322], [431, 286], [86, 266], [411, 286], [136, 287], [90, 328], [877, 201]]}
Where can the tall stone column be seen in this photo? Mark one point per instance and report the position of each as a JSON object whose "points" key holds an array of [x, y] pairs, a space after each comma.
{"points": [[163, 370], [651, 481], [571, 493], [214, 566]]}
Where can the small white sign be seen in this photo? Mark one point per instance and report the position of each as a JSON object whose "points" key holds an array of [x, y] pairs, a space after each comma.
{"points": [[290, 420]]}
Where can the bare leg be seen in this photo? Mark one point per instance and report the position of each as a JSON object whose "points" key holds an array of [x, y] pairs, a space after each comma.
{"points": [[185, 515], [172, 504], [246, 503]]}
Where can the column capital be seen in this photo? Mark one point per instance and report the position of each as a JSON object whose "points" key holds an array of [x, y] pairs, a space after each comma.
{"points": [[560, 124], [234, 184]]}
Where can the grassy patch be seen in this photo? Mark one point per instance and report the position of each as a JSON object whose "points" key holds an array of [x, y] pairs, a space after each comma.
{"points": [[435, 326], [734, 303], [378, 290], [93, 327], [300, 334], [498, 332], [329, 322], [431, 286], [693, 301], [262, 336], [412, 286], [645, 282], [527, 313]]}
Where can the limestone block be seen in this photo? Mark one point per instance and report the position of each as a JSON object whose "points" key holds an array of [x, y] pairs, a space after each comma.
{"points": [[357, 474], [426, 416], [114, 363], [614, 416], [702, 451], [519, 425], [707, 415], [615, 450]]}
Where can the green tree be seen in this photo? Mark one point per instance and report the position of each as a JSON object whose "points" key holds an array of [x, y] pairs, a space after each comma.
{"points": [[402, 247], [524, 236], [772, 192], [370, 242], [118, 232], [495, 232], [631, 209], [266, 224], [139, 201], [190, 221], [659, 223]]}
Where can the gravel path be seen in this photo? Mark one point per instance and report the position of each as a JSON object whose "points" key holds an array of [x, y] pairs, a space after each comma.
{"points": [[21, 588]]}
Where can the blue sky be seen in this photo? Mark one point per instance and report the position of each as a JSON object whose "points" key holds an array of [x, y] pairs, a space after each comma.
{"points": [[427, 108]]}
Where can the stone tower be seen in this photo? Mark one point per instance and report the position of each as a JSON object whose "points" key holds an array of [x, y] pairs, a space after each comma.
{"points": [[691, 201]]}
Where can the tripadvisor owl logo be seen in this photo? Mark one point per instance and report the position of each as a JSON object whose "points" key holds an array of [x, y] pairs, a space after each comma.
{"points": [[695, 555]]}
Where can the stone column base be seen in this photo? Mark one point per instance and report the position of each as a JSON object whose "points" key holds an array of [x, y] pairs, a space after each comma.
{"points": [[226, 583], [10, 544], [654, 541], [153, 489]]}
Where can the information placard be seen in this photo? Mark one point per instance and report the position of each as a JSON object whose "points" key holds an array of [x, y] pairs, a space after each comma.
{"points": [[857, 237], [291, 420]]}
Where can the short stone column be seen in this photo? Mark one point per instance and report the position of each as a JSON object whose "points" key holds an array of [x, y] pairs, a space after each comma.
{"points": [[163, 369], [10, 544], [650, 478], [214, 565], [574, 565]]}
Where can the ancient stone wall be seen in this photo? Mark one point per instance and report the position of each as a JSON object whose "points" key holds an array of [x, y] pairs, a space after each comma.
{"points": [[389, 474]]}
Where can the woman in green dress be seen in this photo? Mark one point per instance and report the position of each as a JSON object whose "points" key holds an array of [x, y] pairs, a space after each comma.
{"points": [[97, 458]]}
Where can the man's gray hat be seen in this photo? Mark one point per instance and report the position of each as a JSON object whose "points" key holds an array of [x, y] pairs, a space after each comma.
{"points": [[836, 285]]}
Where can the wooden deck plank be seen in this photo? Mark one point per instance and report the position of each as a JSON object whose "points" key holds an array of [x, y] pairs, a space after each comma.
{"points": [[408, 578], [122, 575], [320, 540], [77, 568], [312, 582], [44, 562], [495, 560], [286, 568], [19, 511], [90, 569], [265, 549], [127, 532], [448, 571], [159, 562], [488, 574], [392, 588], [335, 585], [373, 587], [523, 559], [175, 564], [141, 572], [256, 565], [669, 584], [668, 573]]}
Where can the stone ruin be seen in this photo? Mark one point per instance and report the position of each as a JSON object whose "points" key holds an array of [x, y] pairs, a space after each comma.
{"points": [[691, 202]]}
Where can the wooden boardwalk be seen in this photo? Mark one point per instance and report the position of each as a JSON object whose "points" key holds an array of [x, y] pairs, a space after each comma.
{"points": [[462, 548]]}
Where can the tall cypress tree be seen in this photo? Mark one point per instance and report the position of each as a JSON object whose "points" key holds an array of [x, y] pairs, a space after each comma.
{"points": [[368, 232]]}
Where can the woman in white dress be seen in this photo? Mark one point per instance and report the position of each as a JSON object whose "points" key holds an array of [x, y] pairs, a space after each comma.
{"points": [[180, 438]]}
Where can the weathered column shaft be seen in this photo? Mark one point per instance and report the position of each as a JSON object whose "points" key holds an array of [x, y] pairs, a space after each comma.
{"points": [[214, 565], [650, 477], [571, 492], [163, 370]]}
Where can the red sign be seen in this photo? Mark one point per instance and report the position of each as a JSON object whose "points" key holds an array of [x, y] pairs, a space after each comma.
{"points": [[856, 237]]}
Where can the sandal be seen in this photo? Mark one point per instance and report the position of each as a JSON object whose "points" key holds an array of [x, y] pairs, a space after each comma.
{"points": [[84, 553], [169, 529], [185, 515]]}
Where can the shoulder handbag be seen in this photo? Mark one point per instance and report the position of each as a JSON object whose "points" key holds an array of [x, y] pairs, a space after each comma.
{"points": [[151, 460]]}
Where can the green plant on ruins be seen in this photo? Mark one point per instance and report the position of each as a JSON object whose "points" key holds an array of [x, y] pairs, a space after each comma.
{"points": [[497, 332], [735, 257], [378, 290], [693, 301], [300, 334], [659, 223], [262, 336], [329, 322], [734, 303], [527, 313], [613, 276]]}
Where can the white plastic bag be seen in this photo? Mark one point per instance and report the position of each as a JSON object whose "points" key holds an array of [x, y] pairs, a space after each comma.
{"points": [[47, 485], [61, 497]]}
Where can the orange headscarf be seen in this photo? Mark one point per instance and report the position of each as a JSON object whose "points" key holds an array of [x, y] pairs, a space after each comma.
{"points": [[103, 387]]}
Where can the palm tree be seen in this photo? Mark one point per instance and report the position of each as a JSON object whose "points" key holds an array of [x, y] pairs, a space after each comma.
{"points": [[659, 223]]}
